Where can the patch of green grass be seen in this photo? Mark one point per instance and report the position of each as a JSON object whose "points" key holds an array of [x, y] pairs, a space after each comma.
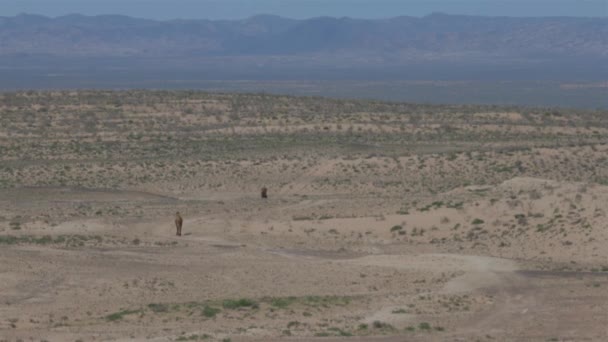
{"points": [[8, 240], [69, 240], [193, 337], [302, 218], [326, 301], [117, 316], [382, 325], [396, 228], [542, 228], [157, 308], [339, 331], [434, 205], [293, 324], [477, 221], [424, 326], [456, 205], [282, 302], [503, 168], [210, 309], [210, 312], [399, 311], [239, 303]]}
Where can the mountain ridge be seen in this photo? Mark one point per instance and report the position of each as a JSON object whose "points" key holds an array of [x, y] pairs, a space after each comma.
{"points": [[437, 35]]}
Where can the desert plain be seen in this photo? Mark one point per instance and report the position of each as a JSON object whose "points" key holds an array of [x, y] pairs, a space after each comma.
{"points": [[384, 222]]}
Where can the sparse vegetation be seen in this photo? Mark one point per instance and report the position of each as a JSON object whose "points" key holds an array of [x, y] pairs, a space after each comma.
{"points": [[158, 307], [210, 312], [239, 303], [117, 316], [106, 171], [66, 240], [424, 326]]}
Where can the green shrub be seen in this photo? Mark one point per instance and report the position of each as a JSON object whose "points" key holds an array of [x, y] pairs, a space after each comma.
{"points": [[158, 307], [396, 228], [209, 311], [117, 316], [424, 326], [239, 303]]}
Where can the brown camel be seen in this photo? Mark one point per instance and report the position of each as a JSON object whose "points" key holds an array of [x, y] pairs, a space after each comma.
{"points": [[178, 223]]}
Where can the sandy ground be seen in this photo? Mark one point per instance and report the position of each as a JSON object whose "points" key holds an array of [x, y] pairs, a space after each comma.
{"points": [[306, 281], [445, 238]]}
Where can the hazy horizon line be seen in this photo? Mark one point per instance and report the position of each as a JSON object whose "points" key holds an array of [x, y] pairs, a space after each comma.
{"points": [[291, 18]]}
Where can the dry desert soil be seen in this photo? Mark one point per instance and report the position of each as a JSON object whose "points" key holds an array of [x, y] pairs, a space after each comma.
{"points": [[385, 222]]}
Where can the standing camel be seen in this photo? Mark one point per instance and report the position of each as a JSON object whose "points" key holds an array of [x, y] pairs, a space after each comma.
{"points": [[178, 223], [264, 192]]}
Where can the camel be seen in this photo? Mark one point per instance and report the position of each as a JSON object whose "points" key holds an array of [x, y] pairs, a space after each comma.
{"points": [[178, 223], [264, 192]]}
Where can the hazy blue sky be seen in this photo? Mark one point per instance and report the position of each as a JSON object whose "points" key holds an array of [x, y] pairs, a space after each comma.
{"points": [[230, 9]]}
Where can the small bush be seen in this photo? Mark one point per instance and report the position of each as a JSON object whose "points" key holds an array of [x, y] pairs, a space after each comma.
{"points": [[210, 312], [293, 324], [158, 307], [396, 228], [382, 325], [117, 316], [282, 302], [424, 326], [239, 303]]}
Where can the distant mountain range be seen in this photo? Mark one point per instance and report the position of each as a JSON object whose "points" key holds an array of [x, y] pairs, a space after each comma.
{"points": [[433, 37], [344, 57]]}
